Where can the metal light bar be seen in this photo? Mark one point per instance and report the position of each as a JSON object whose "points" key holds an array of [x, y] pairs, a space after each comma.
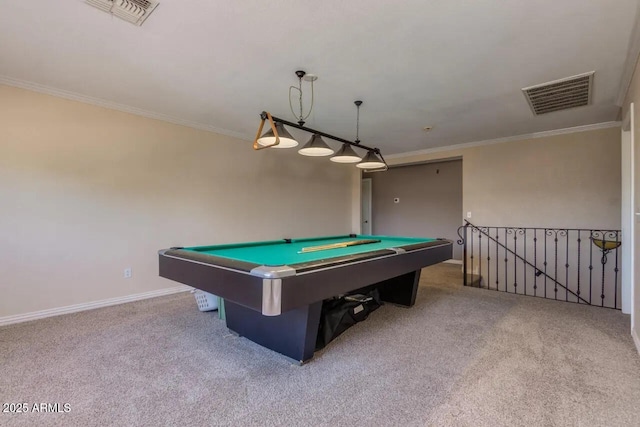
{"points": [[273, 120], [264, 116], [386, 166]]}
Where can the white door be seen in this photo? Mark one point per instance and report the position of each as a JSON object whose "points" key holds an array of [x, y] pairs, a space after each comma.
{"points": [[628, 212], [635, 282], [365, 211]]}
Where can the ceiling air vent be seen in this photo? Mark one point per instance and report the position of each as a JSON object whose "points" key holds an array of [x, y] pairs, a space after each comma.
{"points": [[560, 94], [134, 11]]}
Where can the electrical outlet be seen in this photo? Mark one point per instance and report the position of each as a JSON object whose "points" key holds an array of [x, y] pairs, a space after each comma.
{"points": [[469, 215], [127, 273]]}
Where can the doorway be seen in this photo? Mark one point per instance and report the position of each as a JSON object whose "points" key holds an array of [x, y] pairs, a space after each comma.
{"points": [[420, 200], [365, 210]]}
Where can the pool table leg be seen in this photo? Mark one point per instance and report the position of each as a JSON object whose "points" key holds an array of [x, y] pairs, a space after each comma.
{"points": [[401, 290], [293, 333]]}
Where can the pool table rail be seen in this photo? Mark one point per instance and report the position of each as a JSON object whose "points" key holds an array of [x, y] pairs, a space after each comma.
{"points": [[272, 290]]}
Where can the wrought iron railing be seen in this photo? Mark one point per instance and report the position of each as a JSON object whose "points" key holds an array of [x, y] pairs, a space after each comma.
{"points": [[568, 264]]}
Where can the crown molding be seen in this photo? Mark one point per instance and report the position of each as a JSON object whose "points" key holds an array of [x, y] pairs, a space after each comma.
{"points": [[37, 87], [630, 62], [35, 315], [73, 96], [514, 138]]}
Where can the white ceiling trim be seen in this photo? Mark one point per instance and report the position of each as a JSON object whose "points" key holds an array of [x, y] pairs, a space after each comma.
{"points": [[36, 87], [514, 138], [630, 63]]}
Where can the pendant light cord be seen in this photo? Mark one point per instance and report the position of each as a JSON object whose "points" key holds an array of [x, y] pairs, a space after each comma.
{"points": [[302, 117], [358, 103]]}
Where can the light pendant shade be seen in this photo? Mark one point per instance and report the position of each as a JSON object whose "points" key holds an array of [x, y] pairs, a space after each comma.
{"points": [[371, 161], [346, 155], [286, 140], [316, 147]]}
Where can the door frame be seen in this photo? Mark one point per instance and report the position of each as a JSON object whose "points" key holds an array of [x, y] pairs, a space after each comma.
{"points": [[628, 210], [366, 198]]}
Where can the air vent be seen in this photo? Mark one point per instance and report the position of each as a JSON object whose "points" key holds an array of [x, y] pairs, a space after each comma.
{"points": [[560, 94], [134, 11]]}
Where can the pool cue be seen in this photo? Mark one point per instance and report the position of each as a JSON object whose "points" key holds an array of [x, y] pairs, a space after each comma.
{"points": [[337, 245]]}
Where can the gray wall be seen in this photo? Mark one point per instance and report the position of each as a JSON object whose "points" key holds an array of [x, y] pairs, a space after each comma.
{"points": [[430, 201]]}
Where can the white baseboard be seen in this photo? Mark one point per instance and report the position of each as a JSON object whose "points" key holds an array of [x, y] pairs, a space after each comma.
{"points": [[636, 339], [454, 261], [19, 318]]}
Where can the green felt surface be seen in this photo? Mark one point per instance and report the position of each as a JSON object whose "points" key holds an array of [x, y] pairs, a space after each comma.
{"points": [[276, 252]]}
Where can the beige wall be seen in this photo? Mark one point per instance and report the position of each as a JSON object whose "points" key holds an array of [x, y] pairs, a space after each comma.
{"points": [[633, 95], [565, 181], [86, 192], [569, 180]]}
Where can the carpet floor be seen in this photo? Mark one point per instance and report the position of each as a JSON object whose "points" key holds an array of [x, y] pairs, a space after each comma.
{"points": [[460, 357]]}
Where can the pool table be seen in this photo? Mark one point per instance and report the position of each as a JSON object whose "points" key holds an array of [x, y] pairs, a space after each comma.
{"points": [[273, 290]]}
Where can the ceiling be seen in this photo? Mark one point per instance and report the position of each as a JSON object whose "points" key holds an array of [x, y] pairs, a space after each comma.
{"points": [[458, 66]]}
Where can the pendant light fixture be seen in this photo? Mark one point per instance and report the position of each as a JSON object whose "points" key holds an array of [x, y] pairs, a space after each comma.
{"points": [[285, 138], [346, 154], [316, 147], [278, 137], [371, 160]]}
